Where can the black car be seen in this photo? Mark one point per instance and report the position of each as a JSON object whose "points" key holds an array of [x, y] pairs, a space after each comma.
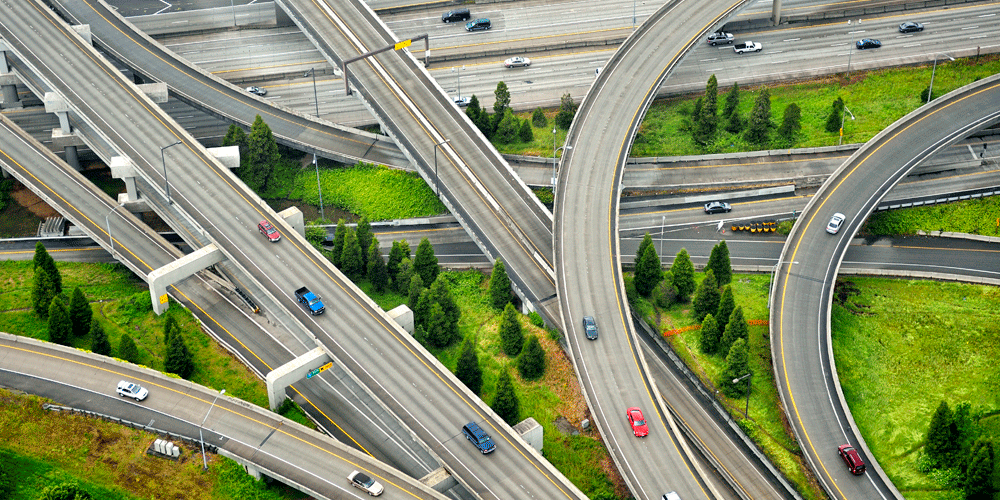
{"points": [[590, 327], [868, 43], [717, 207], [910, 27]]}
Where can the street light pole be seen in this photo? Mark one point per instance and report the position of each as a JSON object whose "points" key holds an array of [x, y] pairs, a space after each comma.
{"points": [[319, 186], [554, 152], [749, 377], [437, 180], [663, 222], [459, 73], [843, 116], [204, 460], [107, 222], [163, 161], [233, 7], [930, 89]]}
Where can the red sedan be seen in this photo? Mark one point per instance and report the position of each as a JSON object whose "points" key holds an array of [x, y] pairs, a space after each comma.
{"points": [[638, 423]]}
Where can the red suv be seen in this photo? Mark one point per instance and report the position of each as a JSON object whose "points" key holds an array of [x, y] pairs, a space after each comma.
{"points": [[852, 459], [268, 230]]}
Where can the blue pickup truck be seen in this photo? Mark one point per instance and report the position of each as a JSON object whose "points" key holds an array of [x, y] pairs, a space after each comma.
{"points": [[310, 301]]}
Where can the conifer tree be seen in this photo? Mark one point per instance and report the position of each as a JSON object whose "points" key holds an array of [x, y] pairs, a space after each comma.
{"points": [[178, 360], [709, 335], [736, 328], [41, 293], [736, 366], [978, 477], [500, 290], [235, 136], [425, 263], [706, 299], [127, 349], [719, 262], [834, 119], [405, 276], [708, 121], [506, 403], [791, 123], [339, 236], [377, 273], [467, 368], [60, 325], [414, 293], [440, 293], [261, 155], [365, 237], [759, 125], [683, 272], [531, 362], [526, 134], [511, 336], [49, 265], [99, 343], [80, 313], [392, 263], [502, 99], [567, 110], [436, 326], [170, 328], [351, 263], [942, 436], [726, 306], [41, 254], [647, 241], [732, 101], [648, 272], [538, 118]]}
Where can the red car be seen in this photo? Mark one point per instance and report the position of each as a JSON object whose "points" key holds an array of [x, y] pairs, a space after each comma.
{"points": [[268, 230], [638, 423], [852, 459]]}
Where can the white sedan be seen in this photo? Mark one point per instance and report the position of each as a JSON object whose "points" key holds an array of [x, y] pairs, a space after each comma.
{"points": [[129, 390], [517, 62]]}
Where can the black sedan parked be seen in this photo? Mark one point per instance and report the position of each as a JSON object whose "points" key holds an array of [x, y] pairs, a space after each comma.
{"points": [[868, 43]]}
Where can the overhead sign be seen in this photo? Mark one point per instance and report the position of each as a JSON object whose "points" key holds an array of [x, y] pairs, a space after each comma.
{"points": [[402, 45]]}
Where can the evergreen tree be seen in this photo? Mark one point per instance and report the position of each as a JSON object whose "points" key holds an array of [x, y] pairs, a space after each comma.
{"points": [[567, 110], [709, 335], [734, 125], [791, 124], [127, 349], [60, 325], [511, 336], [531, 363], [41, 293], [235, 136], [647, 241], [500, 290], [538, 118], [474, 109], [732, 101], [405, 275], [708, 121], [648, 272], [736, 366], [49, 265], [178, 360], [262, 154], [6, 481], [339, 236], [437, 327], [736, 328], [665, 295], [979, 475], [942, 436], [41, 255], [441, 295], [720, 264], [502, 102], [467, 368], [170, 328], [506, 403], [365, 236], [526, 134], [425, 263], [834, 119], [351, 262], [414, 292], [392, 263], [696, 115], [726, 306], [377, 273], [99, 343], [706, 299], [508, 128], [760, 118], [683, 272]]}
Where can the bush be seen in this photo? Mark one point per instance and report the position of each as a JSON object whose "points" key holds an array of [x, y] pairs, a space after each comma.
{"points": [[536, 319], [538, 118]]}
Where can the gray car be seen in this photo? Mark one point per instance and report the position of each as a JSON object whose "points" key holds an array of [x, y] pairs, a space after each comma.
{"points": [[720, 37], [590, 327]]}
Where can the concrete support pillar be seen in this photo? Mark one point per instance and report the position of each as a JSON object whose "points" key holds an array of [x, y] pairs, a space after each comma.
{"points": [[776, 12], [280, 378], [8, 82], [403, 316], [440, 480], [123, 168], [177, 270], [71, 158], [293, 217]]}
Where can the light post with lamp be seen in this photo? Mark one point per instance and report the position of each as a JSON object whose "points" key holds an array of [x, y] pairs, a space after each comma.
{"points": [[437, 180], [163, 161], [774, 270], [663, 222], [843, 116], [459, 73], [107, 222], [319, 186], [204, 460], [749, 377], [930, 89]]}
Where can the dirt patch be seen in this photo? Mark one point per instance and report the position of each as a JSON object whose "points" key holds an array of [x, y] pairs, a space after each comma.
{"points": [[565, 427], [29, 200]]}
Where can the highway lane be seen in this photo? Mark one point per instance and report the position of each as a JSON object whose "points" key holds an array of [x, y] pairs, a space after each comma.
{"points": [[425, 395], [320, 465], [800, 313]]}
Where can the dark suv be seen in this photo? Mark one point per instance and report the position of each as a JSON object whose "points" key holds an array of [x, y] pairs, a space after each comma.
{"points": [[479, 437], [478, 25], [456, 15], [852, 459]]}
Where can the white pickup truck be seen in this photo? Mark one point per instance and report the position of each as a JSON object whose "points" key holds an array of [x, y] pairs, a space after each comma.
{"points": [[747, 47]]}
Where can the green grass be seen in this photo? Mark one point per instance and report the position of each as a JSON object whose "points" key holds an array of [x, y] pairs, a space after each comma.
{"points": [[40, 448], [980, 216], [376, 192], [766, 425], [901, 347]]}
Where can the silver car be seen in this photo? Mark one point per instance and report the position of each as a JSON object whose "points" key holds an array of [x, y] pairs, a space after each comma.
{"points": [[835, 222], [365, 483], [257, 91]]}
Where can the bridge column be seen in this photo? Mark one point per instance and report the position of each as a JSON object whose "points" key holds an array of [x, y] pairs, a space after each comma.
{"points": [[178, 270], [775, 11], [8, 82], [285, 375], [63, 136]]}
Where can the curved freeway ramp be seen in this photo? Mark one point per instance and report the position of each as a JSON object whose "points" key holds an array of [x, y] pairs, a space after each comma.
{"points": [[800, 315], [220, 98]]}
